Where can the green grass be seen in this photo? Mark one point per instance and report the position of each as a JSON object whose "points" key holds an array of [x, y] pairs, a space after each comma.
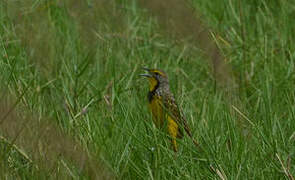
{"points": [[76, 65]]}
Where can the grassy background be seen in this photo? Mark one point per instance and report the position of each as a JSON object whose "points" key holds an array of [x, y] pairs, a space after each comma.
{"points": [[73, 105]]}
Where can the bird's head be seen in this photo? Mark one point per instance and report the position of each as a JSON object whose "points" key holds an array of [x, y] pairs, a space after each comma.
{"points": [[157, 78]]}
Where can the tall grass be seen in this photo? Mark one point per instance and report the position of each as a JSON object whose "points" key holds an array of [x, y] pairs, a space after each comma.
{"points": [[72, 67]]}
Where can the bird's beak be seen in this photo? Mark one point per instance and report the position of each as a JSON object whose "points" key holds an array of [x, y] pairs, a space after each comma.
{"points": [[146, 75]]}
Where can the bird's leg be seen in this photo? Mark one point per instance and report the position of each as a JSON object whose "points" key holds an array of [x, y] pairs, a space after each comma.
{"points": [[174, 144]]}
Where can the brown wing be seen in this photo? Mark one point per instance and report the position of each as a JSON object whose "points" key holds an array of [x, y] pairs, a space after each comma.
{"points": [[171, 107]]}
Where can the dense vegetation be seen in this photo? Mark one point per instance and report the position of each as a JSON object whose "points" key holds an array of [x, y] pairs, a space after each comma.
{"points": [[73, 106]]}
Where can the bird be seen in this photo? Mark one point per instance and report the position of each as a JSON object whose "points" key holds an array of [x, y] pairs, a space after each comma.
{"points": [[164, 108]]}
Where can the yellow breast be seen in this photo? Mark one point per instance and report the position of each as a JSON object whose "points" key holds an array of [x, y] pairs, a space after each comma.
{"points": [[156, 107], [160, 115]]}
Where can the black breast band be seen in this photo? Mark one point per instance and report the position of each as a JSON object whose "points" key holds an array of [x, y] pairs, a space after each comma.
{"points": [[152, 93]]}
